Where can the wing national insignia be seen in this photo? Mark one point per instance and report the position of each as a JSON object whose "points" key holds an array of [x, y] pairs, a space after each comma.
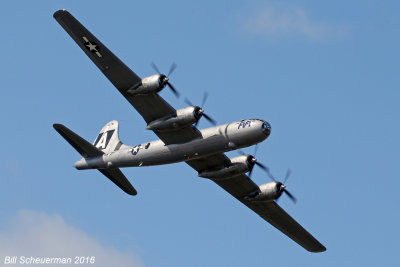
{"points": [[91, 46]]}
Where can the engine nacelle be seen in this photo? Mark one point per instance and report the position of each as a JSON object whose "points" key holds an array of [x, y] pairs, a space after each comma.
{"points": [[238, 165], [267, 192], [148, 85], [183, 118]]}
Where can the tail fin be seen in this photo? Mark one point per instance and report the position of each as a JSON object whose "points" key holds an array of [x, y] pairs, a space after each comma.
{"points": [[106, 141]]}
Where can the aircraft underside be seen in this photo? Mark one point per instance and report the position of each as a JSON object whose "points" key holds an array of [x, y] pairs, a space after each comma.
{"points": [[180, 140]]}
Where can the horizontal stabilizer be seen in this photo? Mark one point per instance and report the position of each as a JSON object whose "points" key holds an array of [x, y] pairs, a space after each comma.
{"points": [[118, 178], [84, 148]]}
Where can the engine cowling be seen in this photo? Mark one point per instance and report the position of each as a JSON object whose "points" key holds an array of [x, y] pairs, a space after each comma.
{"points": [[148, 85], [237, 166], [267, 192], [184, 117]]}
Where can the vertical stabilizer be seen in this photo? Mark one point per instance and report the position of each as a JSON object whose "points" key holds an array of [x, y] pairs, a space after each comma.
{"points": [[108, 139]]}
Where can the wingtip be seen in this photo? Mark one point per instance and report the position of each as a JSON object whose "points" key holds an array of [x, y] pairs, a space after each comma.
{"points": [[320, 249], [57, 126], [58, 13]]}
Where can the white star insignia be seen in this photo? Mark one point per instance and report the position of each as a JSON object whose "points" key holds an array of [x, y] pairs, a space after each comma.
{"points": [[91, 46]]}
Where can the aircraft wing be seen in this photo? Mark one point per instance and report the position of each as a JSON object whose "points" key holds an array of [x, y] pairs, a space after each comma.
{"points": [[241, 186], [150, 106]]}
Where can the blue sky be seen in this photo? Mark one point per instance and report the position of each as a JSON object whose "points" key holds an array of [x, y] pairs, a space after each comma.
{"points": [[324, 74]]}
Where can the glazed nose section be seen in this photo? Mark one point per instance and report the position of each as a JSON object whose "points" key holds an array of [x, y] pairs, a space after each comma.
{"points": [[266, 128]]}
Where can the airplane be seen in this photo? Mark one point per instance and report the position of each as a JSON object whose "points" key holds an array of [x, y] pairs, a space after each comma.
{"points": [[180, 140]]}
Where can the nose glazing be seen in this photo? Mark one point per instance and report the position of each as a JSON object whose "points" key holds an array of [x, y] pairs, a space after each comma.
{"points": [[266, 128]]}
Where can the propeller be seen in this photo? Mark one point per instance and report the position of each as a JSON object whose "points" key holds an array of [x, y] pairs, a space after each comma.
{"points": [[281, 187], [288, 172], [199, 110], [253, 161], [165, 79], [293, 198]]}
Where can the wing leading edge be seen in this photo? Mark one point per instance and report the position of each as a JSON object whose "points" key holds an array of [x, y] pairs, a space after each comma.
{"points": [[241, 186]]}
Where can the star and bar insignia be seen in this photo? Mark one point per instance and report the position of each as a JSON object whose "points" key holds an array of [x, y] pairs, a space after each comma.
{"points": [[91, 46]]}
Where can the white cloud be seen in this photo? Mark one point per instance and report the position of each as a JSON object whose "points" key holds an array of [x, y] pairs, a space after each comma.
{"points": [[285, 21], [39, 234]]}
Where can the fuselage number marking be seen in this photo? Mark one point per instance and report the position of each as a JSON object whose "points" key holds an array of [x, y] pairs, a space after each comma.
{"points": [[244, 124]]}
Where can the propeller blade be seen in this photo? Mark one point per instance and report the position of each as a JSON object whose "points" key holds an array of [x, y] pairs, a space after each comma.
{"points": [[269, 173], [205, 96], [262, 166], [153, 65], [290, 195], [255, 150], [209, 119], [171, 69], [251, 171], [288, 172], [173, 89], [187, 101]]}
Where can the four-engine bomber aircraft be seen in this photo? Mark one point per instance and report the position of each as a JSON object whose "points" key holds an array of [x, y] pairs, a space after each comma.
{"points": [[179, 140]]}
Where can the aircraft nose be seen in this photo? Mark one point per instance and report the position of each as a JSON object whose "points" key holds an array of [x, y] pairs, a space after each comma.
{"points": [[266, 128]]}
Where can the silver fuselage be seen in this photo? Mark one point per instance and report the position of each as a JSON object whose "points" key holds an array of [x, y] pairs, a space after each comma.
{"points": [[213, 140]]}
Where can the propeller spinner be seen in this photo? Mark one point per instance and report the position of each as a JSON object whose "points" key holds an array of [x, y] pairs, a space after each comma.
{"points": [[280, 186], [199, 110], [164, 80]]}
